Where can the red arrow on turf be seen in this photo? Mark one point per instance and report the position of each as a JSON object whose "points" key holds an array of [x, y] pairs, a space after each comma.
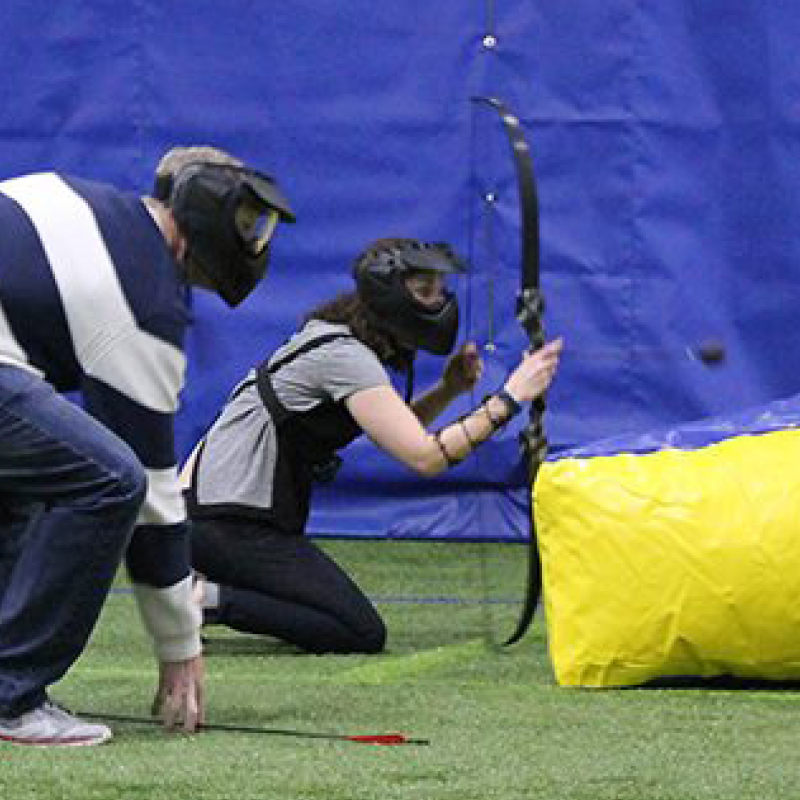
{"points": [[382, 739]]}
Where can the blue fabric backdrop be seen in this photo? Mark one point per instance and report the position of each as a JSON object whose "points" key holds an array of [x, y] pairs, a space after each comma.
{"points": [[667, 144]]}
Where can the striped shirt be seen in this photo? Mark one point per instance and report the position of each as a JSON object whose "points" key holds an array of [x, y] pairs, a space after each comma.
{"points": [[90, 299]]}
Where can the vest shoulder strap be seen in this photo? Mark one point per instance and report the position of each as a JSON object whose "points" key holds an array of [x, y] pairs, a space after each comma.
{"points": [[277, 410]]}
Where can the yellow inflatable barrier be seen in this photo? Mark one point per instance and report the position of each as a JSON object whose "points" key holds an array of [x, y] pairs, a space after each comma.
{"points": [[673, 563]]}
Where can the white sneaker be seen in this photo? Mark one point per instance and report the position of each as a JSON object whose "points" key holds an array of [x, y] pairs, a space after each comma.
{"points": [[51, 726]]}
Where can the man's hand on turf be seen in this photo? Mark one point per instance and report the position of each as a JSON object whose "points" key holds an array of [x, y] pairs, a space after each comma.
{"points": [[179, 701]]}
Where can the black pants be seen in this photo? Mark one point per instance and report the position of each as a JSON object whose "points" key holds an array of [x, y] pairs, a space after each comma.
{"points": [[285, 587]]}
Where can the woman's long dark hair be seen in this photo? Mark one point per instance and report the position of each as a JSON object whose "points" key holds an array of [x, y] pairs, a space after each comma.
{"points": [[348, 309]]}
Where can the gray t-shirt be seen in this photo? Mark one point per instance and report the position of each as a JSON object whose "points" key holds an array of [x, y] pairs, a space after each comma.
{"points": [[237, 465]]}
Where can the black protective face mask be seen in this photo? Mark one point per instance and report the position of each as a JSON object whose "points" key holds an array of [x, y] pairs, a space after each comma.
{"points": [[228, 216], [381, 285]]}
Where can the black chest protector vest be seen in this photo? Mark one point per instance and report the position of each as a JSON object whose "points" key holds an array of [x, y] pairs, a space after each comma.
{"points": [[307, 442], [318, 433]]}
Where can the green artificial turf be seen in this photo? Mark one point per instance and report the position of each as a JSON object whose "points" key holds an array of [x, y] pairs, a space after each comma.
{"points": [[499, 728]]}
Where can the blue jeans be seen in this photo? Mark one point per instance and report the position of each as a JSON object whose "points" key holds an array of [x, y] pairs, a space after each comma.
{"points": [[70, 492]]}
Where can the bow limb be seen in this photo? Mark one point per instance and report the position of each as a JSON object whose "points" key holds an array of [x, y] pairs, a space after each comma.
{"points": [[529, 310]]}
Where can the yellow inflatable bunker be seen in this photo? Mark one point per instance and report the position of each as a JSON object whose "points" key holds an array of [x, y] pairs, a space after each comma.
{"points": [[675, 554]]}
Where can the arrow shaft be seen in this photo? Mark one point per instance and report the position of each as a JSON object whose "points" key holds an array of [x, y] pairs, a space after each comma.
{"points": [[386, 739]]}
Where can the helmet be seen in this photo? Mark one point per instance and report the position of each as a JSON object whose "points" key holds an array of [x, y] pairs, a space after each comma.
{"points": [[228, 214], [380, 274]]}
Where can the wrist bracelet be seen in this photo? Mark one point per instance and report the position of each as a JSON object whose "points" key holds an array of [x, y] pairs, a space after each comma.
{"points": [[511, 404], [472, 443], [449, 460], [495, 423]]}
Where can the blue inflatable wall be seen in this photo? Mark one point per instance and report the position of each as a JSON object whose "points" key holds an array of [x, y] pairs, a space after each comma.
{"points": [[666, 139]]}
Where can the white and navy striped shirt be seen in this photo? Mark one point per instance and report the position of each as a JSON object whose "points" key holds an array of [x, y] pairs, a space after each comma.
{"points": [[91, 300]]}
